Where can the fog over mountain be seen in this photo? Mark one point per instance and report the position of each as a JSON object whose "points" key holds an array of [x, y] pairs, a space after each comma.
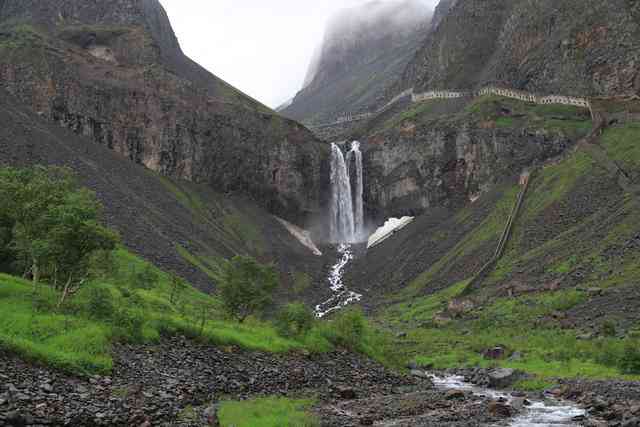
{"points": [[363, 49]]}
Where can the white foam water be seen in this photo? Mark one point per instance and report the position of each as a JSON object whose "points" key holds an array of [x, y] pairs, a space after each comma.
{"points": [[341, 295], [548, 413]]}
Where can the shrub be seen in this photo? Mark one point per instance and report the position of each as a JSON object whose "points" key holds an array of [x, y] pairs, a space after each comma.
{"points": [[630, 361], [100, 303], [129, 324], [348, 328], [609, 328], [247, 287], [294, 320], [145, 278]]}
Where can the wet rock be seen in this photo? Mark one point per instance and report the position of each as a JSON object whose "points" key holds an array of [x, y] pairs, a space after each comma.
{"points": [[499, 409], [502, 377], [46, 387], [455, 394], [631, 422], [419, 373], [346, 393], [366, 421]]}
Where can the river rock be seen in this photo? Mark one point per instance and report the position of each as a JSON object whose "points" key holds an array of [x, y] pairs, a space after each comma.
{"points": [[419, 373], [502, 377], [455, 394], [346, 393], [499, 409]]}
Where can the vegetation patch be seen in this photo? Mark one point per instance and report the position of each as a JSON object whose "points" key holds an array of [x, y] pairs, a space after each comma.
{"points": [[267, 412]]}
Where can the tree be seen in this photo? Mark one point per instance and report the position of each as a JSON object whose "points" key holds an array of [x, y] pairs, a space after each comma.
{"points": [[247, 287], [54, 226], [294, 320]]}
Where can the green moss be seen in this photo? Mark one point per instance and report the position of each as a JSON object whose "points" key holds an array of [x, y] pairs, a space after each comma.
{"points": [[267, 412], [302, 282]]}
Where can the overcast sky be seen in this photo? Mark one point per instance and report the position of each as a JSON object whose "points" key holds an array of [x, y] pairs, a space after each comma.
{"points": [[261, 47]]}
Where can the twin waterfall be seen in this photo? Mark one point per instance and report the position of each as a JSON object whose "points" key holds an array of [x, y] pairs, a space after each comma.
{"points": [[346, 210], [346, 222]]}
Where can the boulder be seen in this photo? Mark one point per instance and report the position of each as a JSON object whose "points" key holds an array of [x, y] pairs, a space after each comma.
{"points": [[503, 377], [455, 394], [499, 409], [346, 393]]}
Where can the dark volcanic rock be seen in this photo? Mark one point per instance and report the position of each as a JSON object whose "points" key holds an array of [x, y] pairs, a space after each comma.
{"points": [[573, 47], [114, 71]]}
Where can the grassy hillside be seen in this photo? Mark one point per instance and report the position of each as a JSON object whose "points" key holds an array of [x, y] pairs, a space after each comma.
{"points": [[563, 298], [121, 307]]}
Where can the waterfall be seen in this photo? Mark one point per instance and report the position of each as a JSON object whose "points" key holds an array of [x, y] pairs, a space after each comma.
{"points": [[355, 155], [341, 221], [347, 187]]}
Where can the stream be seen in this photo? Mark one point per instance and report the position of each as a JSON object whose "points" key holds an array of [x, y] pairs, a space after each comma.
{"points": [[541, 413], [341, 295]]}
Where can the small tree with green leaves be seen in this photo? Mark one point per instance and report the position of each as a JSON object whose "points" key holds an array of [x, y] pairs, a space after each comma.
{"points": [[247, 287], [178, 286], [294, 320], [54, 225]]}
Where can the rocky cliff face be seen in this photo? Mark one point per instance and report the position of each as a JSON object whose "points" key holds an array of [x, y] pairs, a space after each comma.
{"points": [[574, 47], [364, 51], [114, 71]]}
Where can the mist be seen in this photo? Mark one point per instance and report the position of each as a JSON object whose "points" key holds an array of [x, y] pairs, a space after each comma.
{"points": [[262, 48]]}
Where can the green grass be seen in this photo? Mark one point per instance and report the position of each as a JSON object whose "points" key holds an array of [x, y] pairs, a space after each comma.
{"points": [[267, 412], [622, 144], [533, 385], [211, 267], [79, 340]]}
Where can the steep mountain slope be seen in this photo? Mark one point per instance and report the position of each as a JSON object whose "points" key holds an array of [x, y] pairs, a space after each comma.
{"points": [[364, 50], [114, 71], [566, 287], [571, 47], [180, 226]]}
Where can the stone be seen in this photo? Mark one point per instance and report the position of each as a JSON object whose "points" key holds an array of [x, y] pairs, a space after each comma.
{"points": [[499, 409], [516, 356], [419, 373], [211, 415], [346, 393], [455, 394], [502, 377], [412, 365], [495, 353], [46, 387], [594, 292], [366, 421], [631, 422]]}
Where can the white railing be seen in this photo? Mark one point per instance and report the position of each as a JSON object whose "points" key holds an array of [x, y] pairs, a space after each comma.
{"points": [[454, 94]]}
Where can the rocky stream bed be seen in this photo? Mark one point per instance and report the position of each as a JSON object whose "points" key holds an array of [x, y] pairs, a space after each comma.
{"points": [[178, 382]]}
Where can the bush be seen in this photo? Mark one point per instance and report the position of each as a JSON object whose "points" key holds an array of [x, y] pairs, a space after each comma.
{"points": [[100, 303], [294, 320], [609, 328], [630, 361], [129, 325], [146, 278], [348, 329], [247, 287]]}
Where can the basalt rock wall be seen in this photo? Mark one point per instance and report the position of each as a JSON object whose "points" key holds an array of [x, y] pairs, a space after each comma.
{"points": [[114, 71], [573, 47]]}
